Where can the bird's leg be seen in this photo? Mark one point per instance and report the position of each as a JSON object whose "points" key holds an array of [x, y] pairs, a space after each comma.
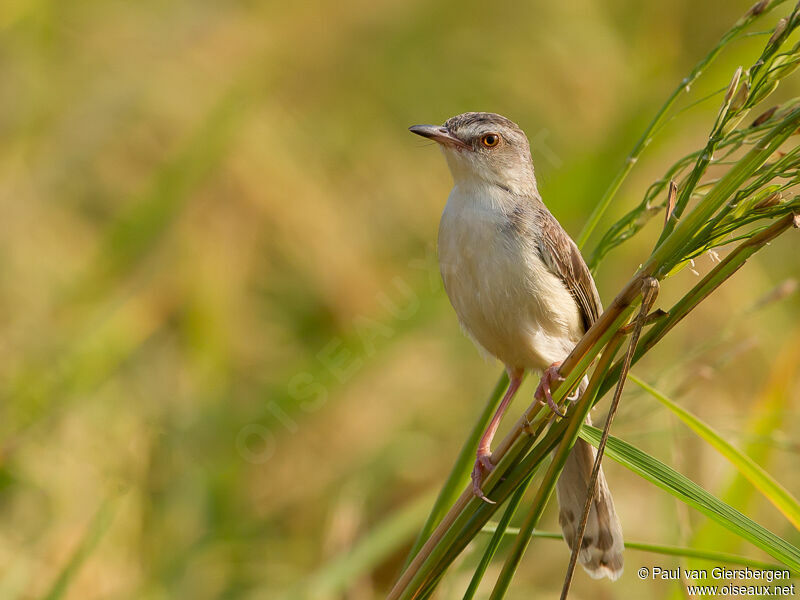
{"points": [[483, 461], [542, 394]]}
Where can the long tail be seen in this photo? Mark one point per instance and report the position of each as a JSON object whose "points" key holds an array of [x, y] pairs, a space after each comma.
{"points": [[601, 549]]}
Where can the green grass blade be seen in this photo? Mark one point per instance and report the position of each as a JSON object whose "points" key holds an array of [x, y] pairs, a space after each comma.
{"points": [[500, 531], [683, 87], [766, 415], [475, 514], [461, 469], [667, 550], [692, 494], [773, 491], [572, 427]]}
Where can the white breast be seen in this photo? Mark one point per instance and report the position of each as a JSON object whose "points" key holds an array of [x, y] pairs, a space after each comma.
{"points": [[509, 302]]}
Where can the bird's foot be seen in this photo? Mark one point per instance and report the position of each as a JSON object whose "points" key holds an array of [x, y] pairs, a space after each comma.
{"points": [[483, 465], [543, 394]]}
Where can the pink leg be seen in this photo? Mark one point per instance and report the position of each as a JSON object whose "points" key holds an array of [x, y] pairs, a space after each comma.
{"points": [[542, 393], [483, 462]]}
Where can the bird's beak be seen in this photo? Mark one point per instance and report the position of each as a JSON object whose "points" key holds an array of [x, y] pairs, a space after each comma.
{"points": [[438, 134]]}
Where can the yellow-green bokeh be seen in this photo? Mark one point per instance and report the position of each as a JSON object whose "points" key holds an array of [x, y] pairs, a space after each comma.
{"points": [[225, 356]]}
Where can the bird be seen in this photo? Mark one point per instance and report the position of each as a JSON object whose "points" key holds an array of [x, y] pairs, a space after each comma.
{"points": [[523, 293]]}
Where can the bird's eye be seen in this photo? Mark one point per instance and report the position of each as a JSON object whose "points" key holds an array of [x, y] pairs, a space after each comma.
{"points": [[490, 140]]}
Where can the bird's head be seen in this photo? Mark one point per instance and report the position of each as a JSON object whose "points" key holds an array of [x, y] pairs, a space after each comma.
{"points": [[485, 147]]}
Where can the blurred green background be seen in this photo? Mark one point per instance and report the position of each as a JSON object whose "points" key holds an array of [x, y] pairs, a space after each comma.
{"points": [[226, 359]]}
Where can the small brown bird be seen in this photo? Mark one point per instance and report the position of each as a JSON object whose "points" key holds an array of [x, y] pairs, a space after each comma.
{"points": [[523, 292]]}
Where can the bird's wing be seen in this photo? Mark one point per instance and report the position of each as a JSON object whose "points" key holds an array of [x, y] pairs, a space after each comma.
{"points": [[562, 256]]}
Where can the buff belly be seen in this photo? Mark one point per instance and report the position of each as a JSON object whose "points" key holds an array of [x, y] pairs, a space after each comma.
{"points": [[505, 297]]}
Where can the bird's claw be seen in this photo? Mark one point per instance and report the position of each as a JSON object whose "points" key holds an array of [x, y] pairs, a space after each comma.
{"points": [[543, 394], [483, 464]]}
